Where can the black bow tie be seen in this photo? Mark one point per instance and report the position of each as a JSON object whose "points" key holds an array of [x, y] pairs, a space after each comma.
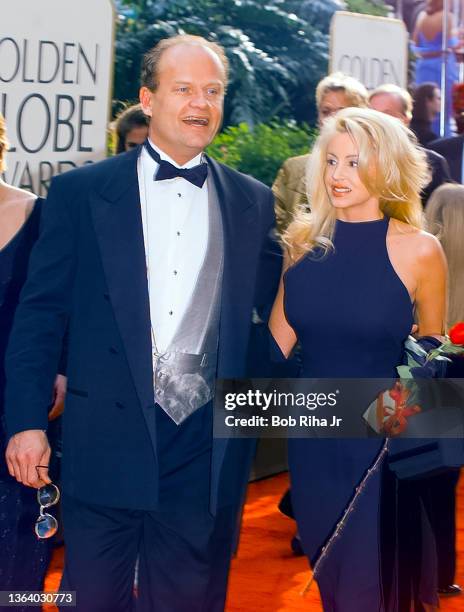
{"points": [[196, 175]]}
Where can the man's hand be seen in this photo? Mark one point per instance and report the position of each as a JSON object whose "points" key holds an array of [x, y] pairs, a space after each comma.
{"points": [[59, 392], [25, 451]]}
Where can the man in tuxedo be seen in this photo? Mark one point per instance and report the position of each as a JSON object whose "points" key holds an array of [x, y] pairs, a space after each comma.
{"points": [[397, 102], [151, 259]]}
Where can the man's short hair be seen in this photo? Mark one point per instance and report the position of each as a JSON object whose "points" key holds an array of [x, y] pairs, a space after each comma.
{"points": [[151, 59], [354, 91], [403, 95]]}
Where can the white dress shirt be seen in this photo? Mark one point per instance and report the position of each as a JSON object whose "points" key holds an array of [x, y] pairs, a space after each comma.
{"points": [[175, 231]]}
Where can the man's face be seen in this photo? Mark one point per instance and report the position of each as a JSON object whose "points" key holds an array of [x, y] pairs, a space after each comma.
{"points": [[331, 103], [389, 104], [186, 108]]}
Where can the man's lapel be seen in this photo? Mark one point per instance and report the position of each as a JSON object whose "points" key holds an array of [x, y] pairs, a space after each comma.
{"points": [[239, 220], [118, 226]]}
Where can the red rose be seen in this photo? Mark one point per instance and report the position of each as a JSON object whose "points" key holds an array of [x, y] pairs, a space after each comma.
{"points": [[456, 333]]}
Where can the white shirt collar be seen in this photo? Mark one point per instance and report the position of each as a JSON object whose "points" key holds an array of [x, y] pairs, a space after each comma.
{"points": [[190, 164]]}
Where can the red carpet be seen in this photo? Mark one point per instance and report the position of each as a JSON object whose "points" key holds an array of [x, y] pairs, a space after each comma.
{"points": [[265, 576]]}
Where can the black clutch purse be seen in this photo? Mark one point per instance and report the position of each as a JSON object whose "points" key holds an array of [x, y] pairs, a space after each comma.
{"points": [[414, 457], [420, 458]]}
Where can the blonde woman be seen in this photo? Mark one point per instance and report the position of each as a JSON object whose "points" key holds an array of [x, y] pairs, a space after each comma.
{"points": [[23, 558], [445, 218], [357, 266], [333, 92]]}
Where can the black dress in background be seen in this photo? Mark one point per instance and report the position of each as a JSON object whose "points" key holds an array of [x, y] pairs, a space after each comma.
{"points": [[23, 558]]}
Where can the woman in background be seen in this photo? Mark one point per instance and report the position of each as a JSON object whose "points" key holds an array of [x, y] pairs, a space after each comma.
{"points": [[357, 266], [131, 128], [23, 558], [445, 218], [427, 100], [427, 38]]}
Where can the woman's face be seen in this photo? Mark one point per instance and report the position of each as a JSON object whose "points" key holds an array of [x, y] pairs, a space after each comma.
{"points": [[136, 136], [344, 186], [435, 102], [331, 103], [432, 6]]}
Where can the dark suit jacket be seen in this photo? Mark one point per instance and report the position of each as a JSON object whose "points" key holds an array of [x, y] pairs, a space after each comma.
{"points": [[88, 270], [451, 149], [440, 174]]}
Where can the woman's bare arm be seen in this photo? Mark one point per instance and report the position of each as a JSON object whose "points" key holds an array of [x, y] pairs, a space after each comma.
{"points": [[431, 293], [280, 329]]}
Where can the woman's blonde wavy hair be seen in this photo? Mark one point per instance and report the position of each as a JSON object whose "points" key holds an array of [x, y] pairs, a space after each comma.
{"points": [[445, 218], [3, 143], [391, 165]]}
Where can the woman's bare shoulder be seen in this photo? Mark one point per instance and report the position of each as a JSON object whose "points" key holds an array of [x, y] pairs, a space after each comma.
{"points": [[429, 247], [13, 197], [400, 229], [418, 241]]}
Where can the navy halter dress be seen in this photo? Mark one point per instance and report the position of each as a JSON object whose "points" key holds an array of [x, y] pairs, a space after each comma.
{"points": [[351, 313]]}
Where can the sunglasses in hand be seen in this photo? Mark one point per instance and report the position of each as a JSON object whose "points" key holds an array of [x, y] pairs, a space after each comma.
{"points": [[46, 524]]}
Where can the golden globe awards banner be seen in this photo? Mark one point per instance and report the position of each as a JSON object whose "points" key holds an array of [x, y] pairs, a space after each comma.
{"points": [[56, 66], [374, 50]]}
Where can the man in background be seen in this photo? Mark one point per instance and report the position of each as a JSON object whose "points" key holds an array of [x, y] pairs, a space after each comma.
{"points": [[452, 148], [397, 102], [333, 92]]}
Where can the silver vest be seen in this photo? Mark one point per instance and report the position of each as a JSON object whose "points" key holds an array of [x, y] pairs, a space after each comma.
{"points": [[185, 374]]}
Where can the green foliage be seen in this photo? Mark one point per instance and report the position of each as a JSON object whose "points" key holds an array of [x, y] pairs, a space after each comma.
{"points": [[367, 7], [278, 49], [260, 152]]}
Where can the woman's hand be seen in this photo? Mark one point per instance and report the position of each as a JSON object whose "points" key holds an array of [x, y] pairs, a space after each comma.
{"points": [[59, 393]]}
